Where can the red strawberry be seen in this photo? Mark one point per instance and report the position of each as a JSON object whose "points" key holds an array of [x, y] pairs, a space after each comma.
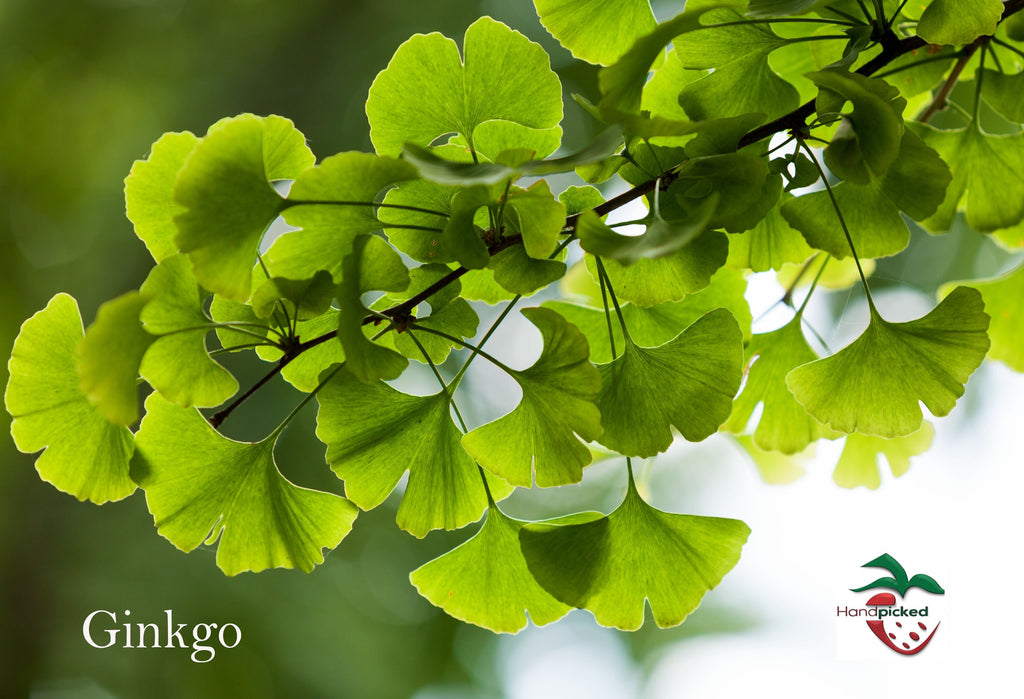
{"points": [[907, 635]]}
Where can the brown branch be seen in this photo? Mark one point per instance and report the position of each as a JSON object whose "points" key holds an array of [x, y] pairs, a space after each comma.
{"points": [[795, 120]]}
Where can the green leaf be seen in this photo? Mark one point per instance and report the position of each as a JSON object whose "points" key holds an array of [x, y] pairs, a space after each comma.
{"points": [[177, 363], [649, 282], [149, 193], [303, 372], [461, 239], [761, 9], [596, 31], [201, 487], [961, 22], [461, 173], [610, 566], [85, 455], [225, 190], [874, 222], [976, 160], [421, 242], [539, 218], [110, 355], [746, 191], [622, 83], [1004, 303], [485, 581], [372, 264], [223, 310], [858, 464], [518, 273], [1005, 93], [326, 230], [873, 385], [656, 325], [428, 90], [558, 401], [456, 318], [741, 81], [374, 434], [301, 298], [660, 239], [687, 383], [872, 133], [774, 467], [768, 245], [784, 425]]}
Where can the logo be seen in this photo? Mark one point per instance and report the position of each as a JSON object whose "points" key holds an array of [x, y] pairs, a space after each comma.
{"points": [[904, 628]]}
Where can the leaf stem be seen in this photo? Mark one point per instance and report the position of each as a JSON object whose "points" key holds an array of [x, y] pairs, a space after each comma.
{"points": [[842, 223], [302, 403], [615, 301], [290, 203], [939, 102]]}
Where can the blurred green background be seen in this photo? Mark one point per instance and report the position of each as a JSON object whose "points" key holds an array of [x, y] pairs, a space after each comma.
{"points": [[85, 87]]}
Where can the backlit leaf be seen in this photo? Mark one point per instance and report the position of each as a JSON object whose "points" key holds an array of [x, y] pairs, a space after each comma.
{"points": [[687, 383], [960, 22], [429, 90], [873, 386], [613, 565], [201, 487], [1004, 303], [228, 200], [596, 32], [83, 454], [537, 438], [485, 580], [859, 462]]}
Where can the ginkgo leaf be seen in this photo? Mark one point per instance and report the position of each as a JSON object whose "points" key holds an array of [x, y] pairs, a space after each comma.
{"points": [[84, 454], [784, 425], [1005, 93], [611, 566], [110, 355], [228, 200], [977, 159], [775, 468], [303, 372], [746, 190], [537, 438], [649, 282], [429, 90], [656, 325], [659, 239], [485, 581], [960, 22], [1004, 303], [518, 273], [540, 218], [177, 363], [622, 83], [301, 299], [149, 193], [417, 232], [201, 487], [687, 383], [331, 204], [768, 245], [372, 264], [456, 318], [873, 221], [859, 462], [596, 32], [873, 386], [374, 434], [460, 239], [741, 81], [869, 138]]}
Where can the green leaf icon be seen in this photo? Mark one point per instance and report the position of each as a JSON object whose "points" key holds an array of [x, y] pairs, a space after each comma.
{"points": [[85, 455], [201, 487]]}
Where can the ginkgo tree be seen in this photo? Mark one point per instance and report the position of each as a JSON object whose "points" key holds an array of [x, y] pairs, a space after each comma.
{"points": [[757, 136]]}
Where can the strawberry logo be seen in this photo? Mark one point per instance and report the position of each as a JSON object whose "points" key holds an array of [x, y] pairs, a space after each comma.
{"points": [[906, 631]]}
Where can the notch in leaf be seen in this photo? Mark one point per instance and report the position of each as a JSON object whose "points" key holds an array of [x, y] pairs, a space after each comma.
{"points": [[612, 565]]}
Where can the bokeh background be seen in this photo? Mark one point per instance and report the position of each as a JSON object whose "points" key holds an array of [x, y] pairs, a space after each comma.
{"points": [[85, 87]]}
